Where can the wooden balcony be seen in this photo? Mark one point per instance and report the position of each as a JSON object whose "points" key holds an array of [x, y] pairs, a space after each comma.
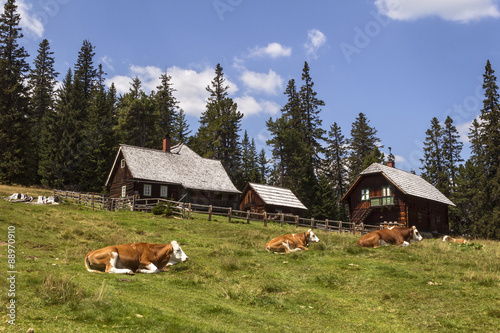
{"points": [[383, 201]]}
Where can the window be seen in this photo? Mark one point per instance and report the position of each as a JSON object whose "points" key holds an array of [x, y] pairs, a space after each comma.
{"points": [[164, 191], [365, 194], [124, 191], [147, 190], [123, 163], [386, 191]]}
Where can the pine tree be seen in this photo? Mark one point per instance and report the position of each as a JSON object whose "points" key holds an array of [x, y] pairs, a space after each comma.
{"points": [[263, 167], [98, 138], [15, 147], [310, 108], [180, 131], [336, 170], [57, 162], [485, 140], [434, 167], [42, 82], [452, 149], [136, 118], [361, 144], [166, 105], [218, 134]]}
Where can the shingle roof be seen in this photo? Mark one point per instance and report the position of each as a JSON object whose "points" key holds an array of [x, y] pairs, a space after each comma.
{"points": [[408, 183], [181, 166], [277, 196]]}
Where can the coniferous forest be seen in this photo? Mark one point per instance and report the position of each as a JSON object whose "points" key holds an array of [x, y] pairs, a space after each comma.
{"points": [[66, 136]]}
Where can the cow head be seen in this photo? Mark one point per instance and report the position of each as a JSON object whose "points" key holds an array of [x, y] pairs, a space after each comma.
{"points": [[415, 234], [177, 254], [312, 237], [446, 238]]}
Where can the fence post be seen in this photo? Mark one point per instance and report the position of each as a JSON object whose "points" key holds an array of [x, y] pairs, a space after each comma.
{"points": [[312, 222], [340, 227], [133, 204], [265, 219], [326, 225], [248, 216], [229, 213], [210, 213], [296, 221], [92, 201], [189, 211]]}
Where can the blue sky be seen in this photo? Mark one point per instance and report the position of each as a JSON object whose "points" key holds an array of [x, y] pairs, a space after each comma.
{"points": [[400, 62]]}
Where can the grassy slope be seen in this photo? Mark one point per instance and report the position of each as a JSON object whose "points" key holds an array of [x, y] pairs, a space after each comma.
{"points": [[231, 284]]}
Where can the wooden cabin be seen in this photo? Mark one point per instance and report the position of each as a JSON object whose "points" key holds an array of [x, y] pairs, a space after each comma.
{"points": [[383, 193], [261, 198], [176, 173]]}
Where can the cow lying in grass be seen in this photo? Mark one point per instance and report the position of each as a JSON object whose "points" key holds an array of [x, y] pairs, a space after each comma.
{"points": [[395, 236], [291, 242], [134, 258], [454, 240]]}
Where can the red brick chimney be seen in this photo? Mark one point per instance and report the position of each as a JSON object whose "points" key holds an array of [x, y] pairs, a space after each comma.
{"points": [[166, 143], [390, 160]]}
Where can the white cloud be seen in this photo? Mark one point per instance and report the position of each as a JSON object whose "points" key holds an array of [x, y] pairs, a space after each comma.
{"points": [[273, 50], [249, 106], [190, 85], [30, 22], [315, 40], [108, 62], [270, 83], [451, 10]]}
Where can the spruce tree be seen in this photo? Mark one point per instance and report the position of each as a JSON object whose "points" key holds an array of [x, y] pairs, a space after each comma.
{"points": [[263, 167], [180, 131], [99, 143], [335, 169], [434, 164], [361, 144], [166, 105], [42, 82], [452, 149], [136, 118], [15, 146], [218, 134]]}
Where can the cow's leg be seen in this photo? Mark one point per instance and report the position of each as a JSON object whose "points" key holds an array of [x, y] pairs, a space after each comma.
{"points": [[149, 269], [405, 243], [382, 242], [111, 266]]}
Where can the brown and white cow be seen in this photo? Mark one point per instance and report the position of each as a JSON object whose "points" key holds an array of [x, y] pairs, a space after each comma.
{"points": [[396, 236], [454, 240], [134, 258], [291, 242]]}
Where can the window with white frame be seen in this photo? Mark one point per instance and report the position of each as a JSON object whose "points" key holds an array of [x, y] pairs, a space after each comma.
{"points": [[386, 191], [164, 191], [123, 163], [365, 194], [147, 190], [124, 191]]}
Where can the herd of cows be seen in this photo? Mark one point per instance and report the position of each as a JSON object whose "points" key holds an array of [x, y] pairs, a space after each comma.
{"points": [[152, 258]]}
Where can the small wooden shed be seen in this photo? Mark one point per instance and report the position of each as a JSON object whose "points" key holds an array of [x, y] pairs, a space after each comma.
{"points": [[383, 193], [176, 173], [261, 198]]}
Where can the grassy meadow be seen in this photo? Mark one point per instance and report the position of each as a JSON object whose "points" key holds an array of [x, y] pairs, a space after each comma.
{"points": [[231, 284]]}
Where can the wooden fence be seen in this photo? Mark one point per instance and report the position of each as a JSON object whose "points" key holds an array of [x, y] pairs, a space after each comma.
{"points": [[184, 210]]}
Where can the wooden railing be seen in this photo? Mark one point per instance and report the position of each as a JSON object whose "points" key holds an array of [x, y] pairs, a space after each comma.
{"points": [[185, 210]]}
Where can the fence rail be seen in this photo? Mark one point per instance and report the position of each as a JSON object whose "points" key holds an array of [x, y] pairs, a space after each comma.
{"points": [[103, 202]]}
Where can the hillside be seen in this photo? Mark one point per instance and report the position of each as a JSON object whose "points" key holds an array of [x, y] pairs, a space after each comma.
{"points": [[231, 284]]}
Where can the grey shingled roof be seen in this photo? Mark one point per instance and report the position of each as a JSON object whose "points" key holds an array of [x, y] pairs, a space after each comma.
{"points": [[181, 166], [277, 196], [409, 183]]}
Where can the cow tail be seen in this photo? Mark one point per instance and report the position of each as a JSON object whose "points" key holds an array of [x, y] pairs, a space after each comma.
{"points": [[268, 248]]}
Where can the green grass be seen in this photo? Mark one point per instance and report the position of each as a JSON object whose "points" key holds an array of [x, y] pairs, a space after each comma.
{"points": [[231, 284]]}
